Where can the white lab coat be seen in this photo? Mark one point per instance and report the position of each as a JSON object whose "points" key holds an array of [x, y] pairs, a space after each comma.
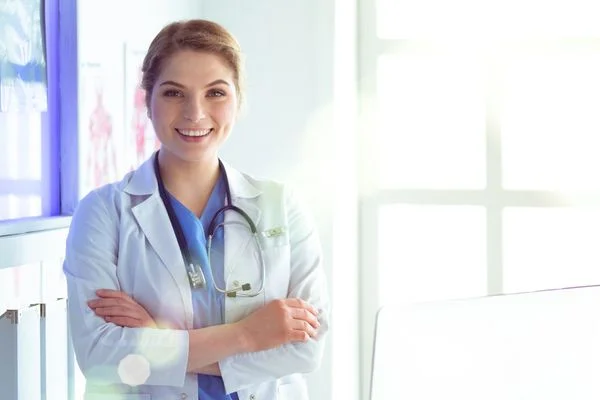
{"points": [[121, 238]]}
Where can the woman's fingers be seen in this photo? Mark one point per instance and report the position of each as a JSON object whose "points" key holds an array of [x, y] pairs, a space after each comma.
{"points": [[125, 322], [110, 293], [278, 322], [106, 302], [304, 314], [115, 295], [301, 304], [119, 308], [303, 326], [117, 312], [298, 336]]}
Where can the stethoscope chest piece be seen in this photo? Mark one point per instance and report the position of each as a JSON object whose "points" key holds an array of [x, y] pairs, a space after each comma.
{"points": [[196, 276]]}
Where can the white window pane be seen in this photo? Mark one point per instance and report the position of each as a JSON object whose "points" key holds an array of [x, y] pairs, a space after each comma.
{"points": [[484, 19], [550, 127], [30, 206], [20, 145], [550, 248], [13, 206], [432, 122], [400, 19], [20, 165], [431, 252]]}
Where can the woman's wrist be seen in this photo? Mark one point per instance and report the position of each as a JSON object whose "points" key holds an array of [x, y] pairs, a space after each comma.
{"points": [[243, 337], [212, 344]]}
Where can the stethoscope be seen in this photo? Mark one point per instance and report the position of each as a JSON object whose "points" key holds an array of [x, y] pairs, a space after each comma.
{"points": [[193, 267]]}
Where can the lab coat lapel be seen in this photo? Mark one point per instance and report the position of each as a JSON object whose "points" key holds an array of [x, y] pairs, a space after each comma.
{"points": [[154, 222], [245, 196]]}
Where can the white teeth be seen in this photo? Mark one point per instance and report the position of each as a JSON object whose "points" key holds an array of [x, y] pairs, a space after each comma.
{"points": [[201, 132]]}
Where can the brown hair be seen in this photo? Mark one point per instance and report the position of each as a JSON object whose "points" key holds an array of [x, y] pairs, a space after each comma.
{"points": [[197, 35]]}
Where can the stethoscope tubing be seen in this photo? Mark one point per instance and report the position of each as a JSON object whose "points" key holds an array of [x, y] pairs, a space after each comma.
{"points": [[195, 273]]}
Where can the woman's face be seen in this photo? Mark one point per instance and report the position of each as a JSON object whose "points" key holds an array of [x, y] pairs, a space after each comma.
{"points": [[193, 105]]}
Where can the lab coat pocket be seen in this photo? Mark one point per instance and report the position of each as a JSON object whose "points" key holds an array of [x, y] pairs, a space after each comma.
{"points": [[275, 236], [117, 396], [292, 391]]}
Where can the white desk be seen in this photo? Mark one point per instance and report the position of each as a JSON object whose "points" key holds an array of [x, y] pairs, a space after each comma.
{"points": [[536, 346]]}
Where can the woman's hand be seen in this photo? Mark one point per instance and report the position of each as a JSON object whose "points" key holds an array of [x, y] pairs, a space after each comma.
{"points": [[279, 322], [120, 309]]}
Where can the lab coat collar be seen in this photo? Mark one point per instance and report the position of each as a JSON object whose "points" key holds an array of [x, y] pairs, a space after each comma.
{"points": [[152, 218], [239, 185], [143, 181]]}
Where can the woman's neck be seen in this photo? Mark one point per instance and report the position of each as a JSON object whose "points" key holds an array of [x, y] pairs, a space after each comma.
{"points": [[190, 182]]}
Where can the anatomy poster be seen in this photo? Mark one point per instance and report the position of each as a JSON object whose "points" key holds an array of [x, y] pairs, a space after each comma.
{"points": [[22, 60], [101, 156], [140, 140]]}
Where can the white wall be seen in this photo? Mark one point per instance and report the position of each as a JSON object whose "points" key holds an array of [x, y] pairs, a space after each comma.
{"points": [[136, 21], [298, 127]]}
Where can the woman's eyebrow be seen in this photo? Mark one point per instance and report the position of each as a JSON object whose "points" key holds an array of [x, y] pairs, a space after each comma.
{"points": [[213, 83], [172, 83], [217, 82]]}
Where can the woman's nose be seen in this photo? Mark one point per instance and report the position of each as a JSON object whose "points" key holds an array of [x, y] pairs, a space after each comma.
{"points": [[194, 111]]}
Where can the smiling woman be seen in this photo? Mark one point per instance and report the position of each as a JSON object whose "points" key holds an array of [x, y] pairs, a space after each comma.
{"points": [[193, 101], [209, 279]]}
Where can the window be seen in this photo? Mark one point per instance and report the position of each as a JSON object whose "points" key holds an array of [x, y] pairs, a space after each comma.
{"points": [[21, 190], [480, 168], [28, 176]]}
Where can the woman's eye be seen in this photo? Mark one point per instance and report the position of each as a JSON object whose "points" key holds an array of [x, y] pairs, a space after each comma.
{"points": [[173, 93], [216, 93]]}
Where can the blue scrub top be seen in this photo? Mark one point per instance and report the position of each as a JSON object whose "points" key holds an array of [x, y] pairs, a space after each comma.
{"points": [[209, 305]]}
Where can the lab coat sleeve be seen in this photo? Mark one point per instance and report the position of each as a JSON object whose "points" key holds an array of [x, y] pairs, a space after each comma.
{"points": [[101, 348], [307, 281]]}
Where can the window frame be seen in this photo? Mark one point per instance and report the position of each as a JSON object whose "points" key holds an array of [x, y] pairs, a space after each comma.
{"points": [[59, 125], [493, 197]]}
